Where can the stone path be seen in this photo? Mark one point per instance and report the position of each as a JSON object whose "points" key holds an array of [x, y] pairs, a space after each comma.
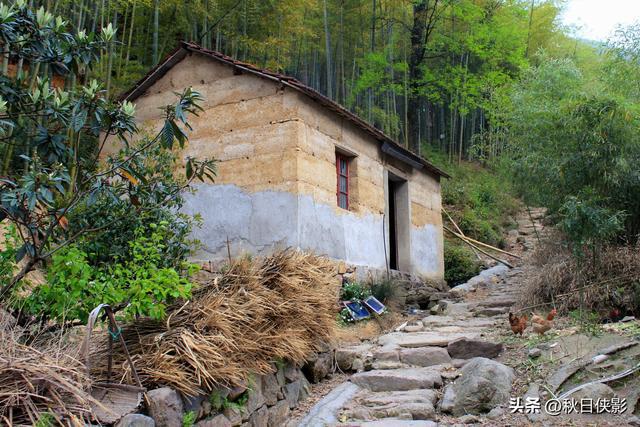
{"points": [[411, 376]]}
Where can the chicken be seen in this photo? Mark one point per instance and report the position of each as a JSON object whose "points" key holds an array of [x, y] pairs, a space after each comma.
{"points": [[518, 324], [541, 325]]}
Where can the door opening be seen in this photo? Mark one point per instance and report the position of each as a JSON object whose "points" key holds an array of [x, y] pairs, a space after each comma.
{"points": [[393, 226], [398, 222]]}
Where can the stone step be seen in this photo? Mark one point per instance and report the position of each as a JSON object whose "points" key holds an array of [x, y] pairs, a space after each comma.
{"points": [[398, 379], [423, 339], [325, 411], [393, 406], [391, 422]]}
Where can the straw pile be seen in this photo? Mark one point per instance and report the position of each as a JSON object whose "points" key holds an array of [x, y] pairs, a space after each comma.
{"points": [[280, 307], [39, 379]]}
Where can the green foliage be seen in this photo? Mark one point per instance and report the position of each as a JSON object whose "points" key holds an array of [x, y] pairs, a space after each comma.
{"points": [[52, 167], [138, 283], [460, 264], [46, 420], [575, 149], [352, 291], [588, 321], [8, 254], [189, 419], [383, 289]]}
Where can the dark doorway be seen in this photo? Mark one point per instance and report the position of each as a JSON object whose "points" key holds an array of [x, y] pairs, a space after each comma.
{"points": [[393, 225], [398, 223]]}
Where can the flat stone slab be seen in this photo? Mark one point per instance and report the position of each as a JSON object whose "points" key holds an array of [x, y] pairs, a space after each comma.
{"points": [[423, 339], [410, 404], [398, 379], [446, 321], [325, 411], [424, 356]]}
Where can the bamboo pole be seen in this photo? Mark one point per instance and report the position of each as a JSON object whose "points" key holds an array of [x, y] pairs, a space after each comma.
{"points": [[483, 244], [481, 250], [460, 231]]}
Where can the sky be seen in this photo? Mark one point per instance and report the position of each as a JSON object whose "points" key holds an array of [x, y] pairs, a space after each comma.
{"points": [[597, 19]]}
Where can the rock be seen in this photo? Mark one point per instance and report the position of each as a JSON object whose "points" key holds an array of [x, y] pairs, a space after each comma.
{"points": [[626, 319], [217, 421], [398, 423], [357, 365], [136, 420], [410, 404], [424, 356], [270, 389], [413, 328], [468, 419], [533, 393], [534, 353], [278, 414], [237, 391], [563, 373], [165, 407], [325, 412], [483, 384], [459, 363], [234, 415], [346, 355], [599, 358], [259, 418], [291, 373], [292, 393], [595, 391], [465, 348], [436, 309], [387, 353], [255, 398], [634, 421], [422, 339], [318, 368], [496, 413], [388, 364], [398, 379]]}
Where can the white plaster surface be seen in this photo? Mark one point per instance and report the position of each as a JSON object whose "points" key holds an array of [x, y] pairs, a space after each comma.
{"points": [[264, 221]]}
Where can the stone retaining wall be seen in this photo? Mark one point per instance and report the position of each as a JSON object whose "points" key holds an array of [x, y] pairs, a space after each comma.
{"points": [[263, 401]]}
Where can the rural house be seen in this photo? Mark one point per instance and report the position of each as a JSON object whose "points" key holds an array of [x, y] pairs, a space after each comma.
{"points": [[296, 169]]}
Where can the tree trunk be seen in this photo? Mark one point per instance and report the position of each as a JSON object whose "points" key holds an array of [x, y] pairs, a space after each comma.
{"points": [[156, 23], [327, 42]]}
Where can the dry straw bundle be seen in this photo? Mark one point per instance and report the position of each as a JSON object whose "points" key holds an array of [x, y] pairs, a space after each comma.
{"points": [[610, 280], [273, 308], [40, 379]]}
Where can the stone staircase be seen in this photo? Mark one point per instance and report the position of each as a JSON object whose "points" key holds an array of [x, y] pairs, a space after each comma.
{"points": [[416, 375], [403, 373]]}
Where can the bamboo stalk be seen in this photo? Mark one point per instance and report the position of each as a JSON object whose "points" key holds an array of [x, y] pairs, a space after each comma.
{"points": [[481, 250], [483, 244], [460, 231]]}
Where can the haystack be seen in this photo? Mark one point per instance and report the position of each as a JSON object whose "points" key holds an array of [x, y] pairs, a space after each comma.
{"points": [[276, 308], [39, 379]]}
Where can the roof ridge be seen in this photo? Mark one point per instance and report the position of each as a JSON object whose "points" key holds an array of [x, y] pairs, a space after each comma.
{"points": [[180, 53]]}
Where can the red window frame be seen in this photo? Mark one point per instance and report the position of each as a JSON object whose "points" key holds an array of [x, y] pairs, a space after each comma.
{"points": [[340, 158]]}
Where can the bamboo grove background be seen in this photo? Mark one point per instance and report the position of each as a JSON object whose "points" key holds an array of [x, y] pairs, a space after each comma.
{"points": [[427, 72]]}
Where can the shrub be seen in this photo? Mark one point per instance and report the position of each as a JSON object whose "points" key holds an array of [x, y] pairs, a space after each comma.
{"points": [[460, 263], [384, 290], [139, 285], [354, 291]]}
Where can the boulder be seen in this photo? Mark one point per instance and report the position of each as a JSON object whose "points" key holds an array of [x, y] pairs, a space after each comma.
{"points": [[217, 421], [594, 392], [318, 368], [424, 356], [165, 407], [398, 379], [345, 356], [466, 348], [296, 391], [483, 384], [278, 414], [136, 420]]}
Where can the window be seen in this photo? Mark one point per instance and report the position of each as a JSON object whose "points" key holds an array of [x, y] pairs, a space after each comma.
{"points": [[342, 170]]}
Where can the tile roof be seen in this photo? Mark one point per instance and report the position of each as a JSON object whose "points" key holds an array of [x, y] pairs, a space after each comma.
{"points": [[390, 146]]}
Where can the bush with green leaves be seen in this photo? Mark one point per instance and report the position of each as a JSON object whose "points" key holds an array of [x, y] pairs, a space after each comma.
{"points": [[52, 139], [384, 289], [354, 291], [138, 285], [460, 264]]}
